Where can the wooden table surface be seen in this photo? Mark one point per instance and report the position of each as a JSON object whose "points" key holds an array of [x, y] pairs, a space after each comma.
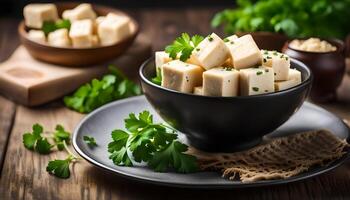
{"points": [[23, 174]]}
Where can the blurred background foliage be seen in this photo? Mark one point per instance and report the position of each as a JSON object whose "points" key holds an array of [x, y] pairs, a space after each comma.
{"points": [[295, 18]]}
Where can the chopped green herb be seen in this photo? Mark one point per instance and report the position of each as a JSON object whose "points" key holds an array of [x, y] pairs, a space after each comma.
{"points": [[50, 26], [90, 141], [266, 91], [226, 40], [259, 73], [268, 57], [198, 49], [265, 60], [35, 141], [256, 89], [232, 42], [184, 46], [155, 144], [111, 87], [210, 38], [266, 70]]}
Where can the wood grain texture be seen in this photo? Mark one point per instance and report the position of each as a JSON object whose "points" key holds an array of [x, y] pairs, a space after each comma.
{"points": [[24, 176]]}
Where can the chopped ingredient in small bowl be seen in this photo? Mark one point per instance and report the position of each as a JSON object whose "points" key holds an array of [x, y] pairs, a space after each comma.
{"points": [[312, 45]]}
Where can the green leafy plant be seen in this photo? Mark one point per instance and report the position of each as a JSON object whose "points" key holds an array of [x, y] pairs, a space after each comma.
{"points": [[300, 18], [90, 141], [50, 26], [184, 46], [111, 87], [155, 144], [36, 141]]}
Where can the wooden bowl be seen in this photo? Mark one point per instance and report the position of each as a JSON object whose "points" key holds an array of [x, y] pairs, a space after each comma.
{"points": [[328, 69], [78, 56]]}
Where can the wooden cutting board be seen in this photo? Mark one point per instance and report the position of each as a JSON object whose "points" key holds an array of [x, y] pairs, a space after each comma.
{"points": [[31, 82]]}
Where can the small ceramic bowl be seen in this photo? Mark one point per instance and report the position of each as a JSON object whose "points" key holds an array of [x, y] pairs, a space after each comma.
{"points": [[225, 124], [328, 69], [78, 56]]}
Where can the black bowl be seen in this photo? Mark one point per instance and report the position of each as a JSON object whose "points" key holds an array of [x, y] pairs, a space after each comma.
{"points": [[225, 124]]}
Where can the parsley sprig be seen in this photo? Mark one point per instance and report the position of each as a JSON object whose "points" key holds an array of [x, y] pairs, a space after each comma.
{"points": [[50, 26], [90, 141], [183, 45], [43, 142], [155, 144], [60, 168], [111, 87]]}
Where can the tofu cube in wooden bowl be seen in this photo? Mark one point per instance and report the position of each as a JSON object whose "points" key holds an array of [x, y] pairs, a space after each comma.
{"points": [[96, 33], [227, 94]]}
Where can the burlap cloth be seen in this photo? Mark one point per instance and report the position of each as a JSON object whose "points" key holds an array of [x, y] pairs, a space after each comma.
{"points": [[276, 159]]}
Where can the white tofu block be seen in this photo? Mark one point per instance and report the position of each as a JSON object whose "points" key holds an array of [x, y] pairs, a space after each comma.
{"points": [[293, 80], [97, 22], [230, 40], [36, 14], [37, 36], [181, 76], [244, 52], [161, 58], [198, 90], [257, 80], [82, 11], [114, 29], [211, 52], [59, 38], [81, 33], [278, 61], [221, 81]]}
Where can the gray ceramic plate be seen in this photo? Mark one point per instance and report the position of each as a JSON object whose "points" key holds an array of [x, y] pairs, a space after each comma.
{"points": [[101, 122]]}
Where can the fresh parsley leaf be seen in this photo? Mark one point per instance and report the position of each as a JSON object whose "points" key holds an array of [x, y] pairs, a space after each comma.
{"points": [[34, 140], [90, 141], [111, 87], [184, 46], [50, 26], [43, 146], [155, 144], [173, 157], [120, 139], [121, 157], [60, 168], [61, 135], [63, 23], [158, 79]]}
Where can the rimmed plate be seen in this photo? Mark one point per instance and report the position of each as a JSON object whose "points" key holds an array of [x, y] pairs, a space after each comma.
{"points": [[102, 121]]}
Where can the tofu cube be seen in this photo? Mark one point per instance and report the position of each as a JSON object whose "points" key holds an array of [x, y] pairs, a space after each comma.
{"points": [[294, 79], [114, 29], [198, 90], [81, 33], [36, 14], [97, 22], [211, 52], [82, 11], [221, 81], [181, 76], [230, 40], [161, 58], [37, 36], [244, 52], [257, 80], [278, 61], [59, 38]]}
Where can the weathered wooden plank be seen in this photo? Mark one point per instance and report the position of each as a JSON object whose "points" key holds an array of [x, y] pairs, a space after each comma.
{"points": [[7, 108], [24, 175]]}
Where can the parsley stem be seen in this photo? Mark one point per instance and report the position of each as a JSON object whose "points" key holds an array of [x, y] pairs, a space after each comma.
{"points": [[75, 157], [169, 127]]}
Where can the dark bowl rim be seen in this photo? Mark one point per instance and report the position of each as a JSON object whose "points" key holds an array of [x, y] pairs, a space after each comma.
{"points": [[24, 34], [303, 84], [339, 44]]}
